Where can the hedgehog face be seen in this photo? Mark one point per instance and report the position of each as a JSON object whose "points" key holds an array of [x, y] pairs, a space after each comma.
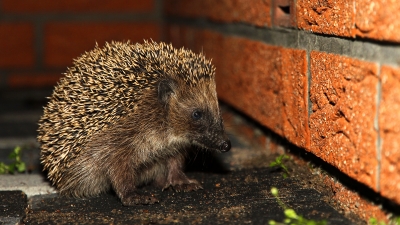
{"points": [[207, 131], [195, 114]]}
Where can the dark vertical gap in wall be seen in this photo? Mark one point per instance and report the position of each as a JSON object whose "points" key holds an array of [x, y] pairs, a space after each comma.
{"points": [[308, 52], [377, 128]]}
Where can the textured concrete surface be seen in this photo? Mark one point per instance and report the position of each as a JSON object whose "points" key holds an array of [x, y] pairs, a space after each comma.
{"points": [[12, 207], [239, 197], [30, 184]]}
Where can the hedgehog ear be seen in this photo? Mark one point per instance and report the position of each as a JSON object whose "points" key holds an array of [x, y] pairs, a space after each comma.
{"points": [[165, 89]]}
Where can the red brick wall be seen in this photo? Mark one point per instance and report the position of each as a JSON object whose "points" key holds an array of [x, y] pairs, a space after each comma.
{"points": [[375, 19], [39, 39], [322, 74]]}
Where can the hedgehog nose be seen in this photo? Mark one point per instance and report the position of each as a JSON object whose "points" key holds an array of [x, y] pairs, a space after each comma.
{"points": [[225, 146]]}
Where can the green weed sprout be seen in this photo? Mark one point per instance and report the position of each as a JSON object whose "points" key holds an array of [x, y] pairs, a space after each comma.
{"points": [[17, 163], [374, 221], [291, 216], [279, 163]]}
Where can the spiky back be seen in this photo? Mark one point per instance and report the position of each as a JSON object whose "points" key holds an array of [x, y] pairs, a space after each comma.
{"points": [[104, 85]]}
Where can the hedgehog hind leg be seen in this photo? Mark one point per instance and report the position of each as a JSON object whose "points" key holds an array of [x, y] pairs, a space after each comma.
{"points": [[84, 180], [124, 180]]}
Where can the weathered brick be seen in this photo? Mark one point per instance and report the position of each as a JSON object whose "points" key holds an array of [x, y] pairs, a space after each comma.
{"points": [[29, 6], [294, 94], [327, 17], [16, 45], [255, 12], [194, 8], [181, 36], [343, 93], [284, 13], [250, 81], [389, 125], [65, 41], [33, 80], [378, 19]]}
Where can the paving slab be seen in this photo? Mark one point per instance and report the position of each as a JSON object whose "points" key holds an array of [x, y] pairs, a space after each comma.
{"points": [[12, 206], [239, 197], [30, 184]]}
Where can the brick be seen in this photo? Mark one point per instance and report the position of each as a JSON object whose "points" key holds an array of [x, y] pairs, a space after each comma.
{"points": [[251, 82], [181, 36], [389, 125], [294, 94], [16, 45], [33, 80], [29, 6], [284, 13], [378, 19], [343, 94], [194, 8], [326, 17], [255, 12], [65, 41]]}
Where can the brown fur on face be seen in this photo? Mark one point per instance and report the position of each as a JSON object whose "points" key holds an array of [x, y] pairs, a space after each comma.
{"points": [[145, 121]]}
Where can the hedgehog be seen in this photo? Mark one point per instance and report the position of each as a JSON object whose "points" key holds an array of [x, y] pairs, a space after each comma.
{"points": [[127, 115]]}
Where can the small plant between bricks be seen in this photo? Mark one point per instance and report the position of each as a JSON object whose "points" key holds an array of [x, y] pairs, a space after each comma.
{"points": [[374, 221], [17, 163], [279, 163], [291, 216]]}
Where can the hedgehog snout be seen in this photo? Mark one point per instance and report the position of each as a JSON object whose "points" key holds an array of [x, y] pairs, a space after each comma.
{"points": [[225, 145], [221, 141], [216, 141], [221, 138]]}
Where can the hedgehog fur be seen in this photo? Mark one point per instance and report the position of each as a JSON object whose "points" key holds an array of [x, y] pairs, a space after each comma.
{"points": [[125, 115]]}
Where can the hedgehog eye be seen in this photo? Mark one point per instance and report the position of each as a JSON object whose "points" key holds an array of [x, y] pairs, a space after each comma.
{"points": [[197, 114]]}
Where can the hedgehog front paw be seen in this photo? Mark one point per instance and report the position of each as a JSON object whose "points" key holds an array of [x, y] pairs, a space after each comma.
{"points": [[187, 186], [137, 199]]}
